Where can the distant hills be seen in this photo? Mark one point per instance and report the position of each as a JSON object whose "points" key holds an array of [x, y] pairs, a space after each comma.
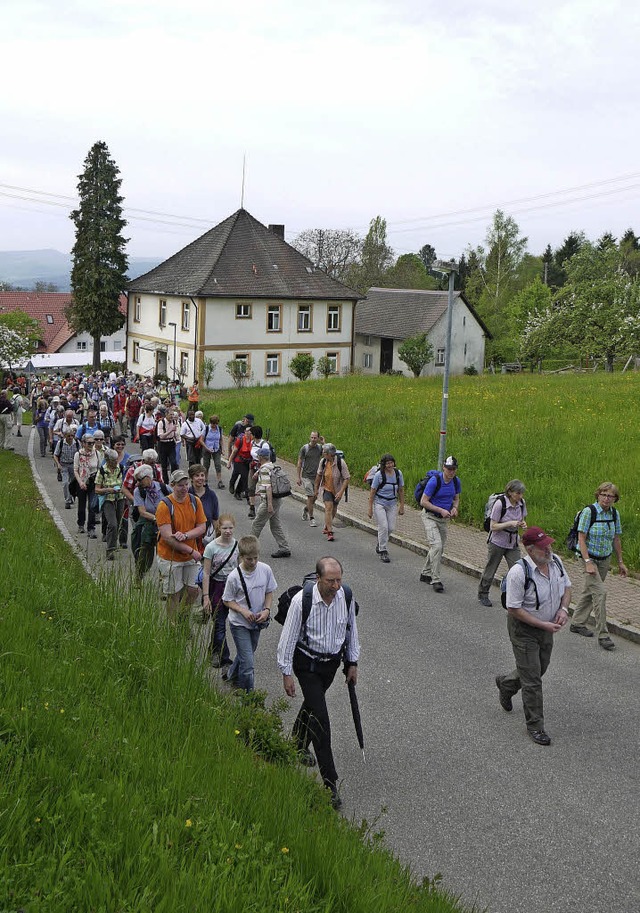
{"points": [[26, 267]]}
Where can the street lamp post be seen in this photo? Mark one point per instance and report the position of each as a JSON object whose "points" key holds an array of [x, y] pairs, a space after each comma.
{"points": [[175, 330], [448, 268]]}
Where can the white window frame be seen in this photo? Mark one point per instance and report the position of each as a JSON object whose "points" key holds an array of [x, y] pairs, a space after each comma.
{"points": [[162, 313], [135, 351], [81, 346], [244, 357], [367, 360], [440, 358], [186, 316], [274, 318], [334, 318], [137, 310], [305, 316], [184, 364], [243, 310], [269, 370], [334, 357]]}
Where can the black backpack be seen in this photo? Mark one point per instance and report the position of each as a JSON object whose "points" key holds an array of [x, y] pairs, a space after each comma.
{"points": [[528, 580], [308, 582], [572, 538]]}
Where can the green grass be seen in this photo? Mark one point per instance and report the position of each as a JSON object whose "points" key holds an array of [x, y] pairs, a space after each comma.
{"points": [[124, 781], [562, 435]]}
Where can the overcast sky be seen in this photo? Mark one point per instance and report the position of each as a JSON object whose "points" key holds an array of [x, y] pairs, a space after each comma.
{"points": [[430, 114]]}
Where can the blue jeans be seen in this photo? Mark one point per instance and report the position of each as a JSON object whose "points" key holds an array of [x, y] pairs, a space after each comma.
{"points": [[241, 670]]}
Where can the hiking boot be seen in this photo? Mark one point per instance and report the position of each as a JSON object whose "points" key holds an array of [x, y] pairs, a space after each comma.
{"points": [[484, 600], [305, 513], [92, 534], [581, 629], [252, 513], [281, 553], [425, 578], [505, 701], [606, 643], [384, 556], [438, 587]]}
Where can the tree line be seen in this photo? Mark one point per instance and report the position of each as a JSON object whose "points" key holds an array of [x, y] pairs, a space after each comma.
{"points": [[580, 300]]}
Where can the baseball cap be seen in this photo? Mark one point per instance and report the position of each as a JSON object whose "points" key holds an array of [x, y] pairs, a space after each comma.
{"points": [[536, 536], [179, 475], [451, 462], [264, 451]]}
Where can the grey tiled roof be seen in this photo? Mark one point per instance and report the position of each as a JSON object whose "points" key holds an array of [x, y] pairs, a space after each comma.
{"points": [[241, 258], [397, 313]]}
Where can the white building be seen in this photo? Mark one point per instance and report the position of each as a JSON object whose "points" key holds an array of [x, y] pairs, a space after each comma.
{"points": [[388, 316], [238, 293]]}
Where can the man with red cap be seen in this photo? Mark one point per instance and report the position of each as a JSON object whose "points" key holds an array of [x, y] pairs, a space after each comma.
{"points": [[537, 599]]}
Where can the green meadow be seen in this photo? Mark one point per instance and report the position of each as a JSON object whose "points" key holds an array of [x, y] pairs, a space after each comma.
{"points": [[128, 784], [561, 434]]}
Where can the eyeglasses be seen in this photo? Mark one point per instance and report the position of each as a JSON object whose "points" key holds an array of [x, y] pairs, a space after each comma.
{"points": [[89, 444], [605, 495]]}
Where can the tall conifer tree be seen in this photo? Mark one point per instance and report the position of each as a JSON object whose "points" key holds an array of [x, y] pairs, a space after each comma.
{"points": [[99, 271]]}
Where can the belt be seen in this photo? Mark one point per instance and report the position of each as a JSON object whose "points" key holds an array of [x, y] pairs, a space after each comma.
{"points": [[599, 557]]}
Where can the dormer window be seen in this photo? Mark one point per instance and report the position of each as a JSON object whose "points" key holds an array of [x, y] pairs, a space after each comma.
{"points": [[49, 318]]}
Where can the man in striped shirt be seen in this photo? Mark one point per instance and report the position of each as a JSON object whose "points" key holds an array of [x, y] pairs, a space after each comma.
{"points": [[312, 650]]}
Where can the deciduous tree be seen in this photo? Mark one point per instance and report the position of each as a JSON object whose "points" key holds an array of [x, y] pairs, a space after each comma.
{"points": [[301, 365], [416, 352], [408, 272], [99, 271], [335, 252]]}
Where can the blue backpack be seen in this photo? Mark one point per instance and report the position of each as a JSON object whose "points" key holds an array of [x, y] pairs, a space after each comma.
{"points": [[422, 484]]}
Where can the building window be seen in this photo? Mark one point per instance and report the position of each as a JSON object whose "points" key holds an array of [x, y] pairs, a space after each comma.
{"points": [[274, 318], [440, 357], [81, 346], [117, 345], [367, 340], [333, 361], [184, 363], [367, 360], [334, 318], [137, 310], [465, 350], [243, 312], [464, 320], [273, 365], [136, 352], [304, 318], [244, 360], [103, 346], [186, 315], [49, 318], [162, 313]]}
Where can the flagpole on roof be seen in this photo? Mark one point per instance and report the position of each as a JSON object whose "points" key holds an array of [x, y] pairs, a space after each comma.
{"points": [[244, 162]]}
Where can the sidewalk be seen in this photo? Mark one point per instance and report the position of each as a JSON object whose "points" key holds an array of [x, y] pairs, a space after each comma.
{"points": [[466, 551], [466, 547]]}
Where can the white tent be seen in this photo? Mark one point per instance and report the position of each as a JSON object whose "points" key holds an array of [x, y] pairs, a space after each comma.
{"points": [[54, 360]]}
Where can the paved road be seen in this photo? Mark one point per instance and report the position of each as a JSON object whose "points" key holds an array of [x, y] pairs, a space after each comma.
{"points": [[454, 782]]}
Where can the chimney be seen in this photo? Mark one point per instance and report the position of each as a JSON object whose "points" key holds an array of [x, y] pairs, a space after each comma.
{"points": [[278, 231]]}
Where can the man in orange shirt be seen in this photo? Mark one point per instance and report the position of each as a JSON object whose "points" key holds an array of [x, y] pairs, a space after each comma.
{"points": [[181, 524]]}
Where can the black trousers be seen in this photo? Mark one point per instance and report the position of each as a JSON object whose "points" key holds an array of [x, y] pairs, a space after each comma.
{"points": [[312, 723]]}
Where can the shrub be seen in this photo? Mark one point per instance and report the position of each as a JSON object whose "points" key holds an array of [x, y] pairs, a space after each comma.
{"points": [[302, 365]]}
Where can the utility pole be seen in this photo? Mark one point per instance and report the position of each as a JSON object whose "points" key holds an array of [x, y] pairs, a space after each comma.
{"points": [[450, 268]]}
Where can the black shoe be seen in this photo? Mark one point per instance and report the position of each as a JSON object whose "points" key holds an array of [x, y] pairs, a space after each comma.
{"points": [[539, 736], [237, 496], [505, 701], [81, 529], [306, 758], [252, 513], [606, 643], [336, 801], [92, 534], [384, 556], [378, 550], [68, 506], [484, 600], [221, 485], [438, 587], [281, 553], [581, 629], [425, 578]]}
